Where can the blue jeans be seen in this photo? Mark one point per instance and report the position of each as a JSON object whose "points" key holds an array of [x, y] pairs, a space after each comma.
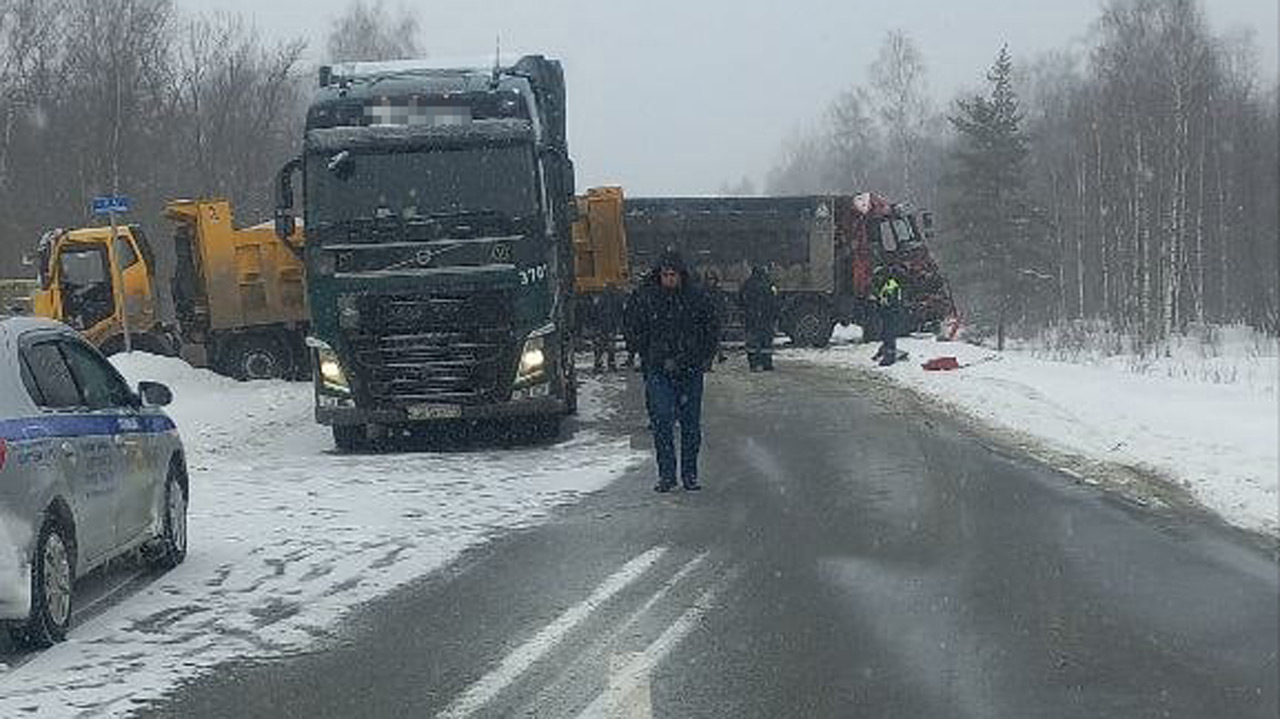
{"points": [[675, 397]]}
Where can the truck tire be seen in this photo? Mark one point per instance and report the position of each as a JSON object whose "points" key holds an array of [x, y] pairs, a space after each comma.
{"points": [[155, 343], [811, 325], [350, 437], [253, 357], [570, 387]]}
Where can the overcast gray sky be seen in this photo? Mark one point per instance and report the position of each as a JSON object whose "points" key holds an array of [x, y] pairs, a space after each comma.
{"points": [[678, 96]]}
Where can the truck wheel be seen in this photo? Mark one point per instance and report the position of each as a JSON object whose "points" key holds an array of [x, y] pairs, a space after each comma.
{"points": [[52, 575], [811, 325], [258, 357], [350, 437], [571, 388]]}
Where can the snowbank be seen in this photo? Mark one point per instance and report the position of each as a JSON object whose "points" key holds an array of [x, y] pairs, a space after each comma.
{"points": [[1208, 419], [286, 537]]}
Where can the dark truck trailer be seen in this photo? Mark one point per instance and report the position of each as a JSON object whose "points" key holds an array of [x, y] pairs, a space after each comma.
{"points": [[820, 251], [439, 260]]}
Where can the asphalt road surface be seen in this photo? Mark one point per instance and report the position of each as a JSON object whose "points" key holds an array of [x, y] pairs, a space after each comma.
{"points": [[848, 557]]}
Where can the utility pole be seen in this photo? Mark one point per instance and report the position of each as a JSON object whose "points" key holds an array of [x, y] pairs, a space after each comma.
{"points": [[115, 254]]}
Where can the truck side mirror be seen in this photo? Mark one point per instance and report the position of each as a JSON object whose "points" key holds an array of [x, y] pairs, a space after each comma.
{"points": [[285, 222]]}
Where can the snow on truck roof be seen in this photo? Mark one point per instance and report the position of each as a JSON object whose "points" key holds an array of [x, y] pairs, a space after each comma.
{"points": [[366, 70]]}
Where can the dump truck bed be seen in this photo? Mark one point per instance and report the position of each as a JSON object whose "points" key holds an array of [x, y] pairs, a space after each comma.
{"points": [[792, 236]]}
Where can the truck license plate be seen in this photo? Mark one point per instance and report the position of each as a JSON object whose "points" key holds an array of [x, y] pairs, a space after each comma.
{"points": [[434, 411]]}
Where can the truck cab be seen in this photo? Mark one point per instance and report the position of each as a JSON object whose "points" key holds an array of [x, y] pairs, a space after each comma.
{"points": [[439, 259], [86, 279]]}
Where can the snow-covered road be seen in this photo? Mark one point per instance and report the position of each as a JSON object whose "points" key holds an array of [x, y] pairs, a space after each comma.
{"points": [[287, 536], [1207, 423]]}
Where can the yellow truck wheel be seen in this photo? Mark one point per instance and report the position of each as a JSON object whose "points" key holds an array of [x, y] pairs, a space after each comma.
{"points": [[255, 357]]}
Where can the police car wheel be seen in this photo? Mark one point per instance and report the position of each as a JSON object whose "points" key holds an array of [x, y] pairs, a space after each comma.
{"points": [[171, 545], [52, 576]]}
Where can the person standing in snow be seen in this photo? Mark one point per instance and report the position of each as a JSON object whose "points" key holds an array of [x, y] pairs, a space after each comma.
{"points": [[719, 305], [605, 317], [759, 300], [889, 305], [673, 326]]}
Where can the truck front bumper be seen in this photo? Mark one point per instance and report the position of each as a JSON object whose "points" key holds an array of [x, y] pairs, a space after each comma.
{"points": [[414, 414]]}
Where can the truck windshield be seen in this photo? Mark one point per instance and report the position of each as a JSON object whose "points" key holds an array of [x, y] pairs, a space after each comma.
{"points": [[893, 234], [348, 186]]}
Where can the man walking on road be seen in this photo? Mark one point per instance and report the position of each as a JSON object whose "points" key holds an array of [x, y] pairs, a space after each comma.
{"points": [[759, 300], [673, 325]]}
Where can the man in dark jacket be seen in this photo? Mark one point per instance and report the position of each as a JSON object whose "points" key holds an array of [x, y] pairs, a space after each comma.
{"points": [[673, 325], [759, 300]]}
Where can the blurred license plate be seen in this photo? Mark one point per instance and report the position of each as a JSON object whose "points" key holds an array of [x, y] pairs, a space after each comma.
{"points": [[434, 411]]}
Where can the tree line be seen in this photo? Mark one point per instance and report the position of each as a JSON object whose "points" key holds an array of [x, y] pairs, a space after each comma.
{"points": [[139, 98], [1138, 185]]}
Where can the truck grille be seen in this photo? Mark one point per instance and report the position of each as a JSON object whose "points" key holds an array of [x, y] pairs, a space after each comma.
{"points": [[446, 349]]}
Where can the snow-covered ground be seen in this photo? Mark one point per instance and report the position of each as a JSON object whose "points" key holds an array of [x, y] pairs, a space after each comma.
{"points": [[287, 536], [1206, 417]]}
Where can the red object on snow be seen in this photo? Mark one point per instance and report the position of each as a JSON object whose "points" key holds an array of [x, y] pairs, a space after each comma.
{"points": [[938, 364]]}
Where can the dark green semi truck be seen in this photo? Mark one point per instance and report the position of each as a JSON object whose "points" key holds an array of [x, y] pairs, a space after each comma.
{"points": [[437, 206]]}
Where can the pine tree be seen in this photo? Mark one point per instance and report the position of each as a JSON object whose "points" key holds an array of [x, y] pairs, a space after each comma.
{"points": [[993, 219]]}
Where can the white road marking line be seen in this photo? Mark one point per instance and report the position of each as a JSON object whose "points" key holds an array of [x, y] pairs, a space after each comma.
{"points": [[627, 695], [666, 588], [518, 661], [620, 660]]}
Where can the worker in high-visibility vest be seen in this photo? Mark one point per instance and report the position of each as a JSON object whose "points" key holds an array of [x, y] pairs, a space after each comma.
{"points": [[889, 304]]}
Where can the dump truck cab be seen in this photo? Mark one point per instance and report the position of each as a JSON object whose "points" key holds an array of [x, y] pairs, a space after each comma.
{"points": [[86, 280]]}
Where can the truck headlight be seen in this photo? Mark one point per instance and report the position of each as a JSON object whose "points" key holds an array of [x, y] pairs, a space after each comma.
{"points": [[533, 358], [332, 377]]}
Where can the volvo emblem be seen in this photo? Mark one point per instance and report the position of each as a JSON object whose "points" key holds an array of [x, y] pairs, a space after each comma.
{"points": [[502, 252], [424, 258]]}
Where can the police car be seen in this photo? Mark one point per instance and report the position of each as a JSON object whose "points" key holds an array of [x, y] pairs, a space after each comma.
{"points": [[89, 471]]}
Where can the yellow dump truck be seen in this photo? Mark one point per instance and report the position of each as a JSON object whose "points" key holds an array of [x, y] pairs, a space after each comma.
{"points": [[85, 279], [600, 242], [238, 294]]}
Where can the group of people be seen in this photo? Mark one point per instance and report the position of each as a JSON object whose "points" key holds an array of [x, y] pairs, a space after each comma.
{"points": [[606, 311], [672, 322]]}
